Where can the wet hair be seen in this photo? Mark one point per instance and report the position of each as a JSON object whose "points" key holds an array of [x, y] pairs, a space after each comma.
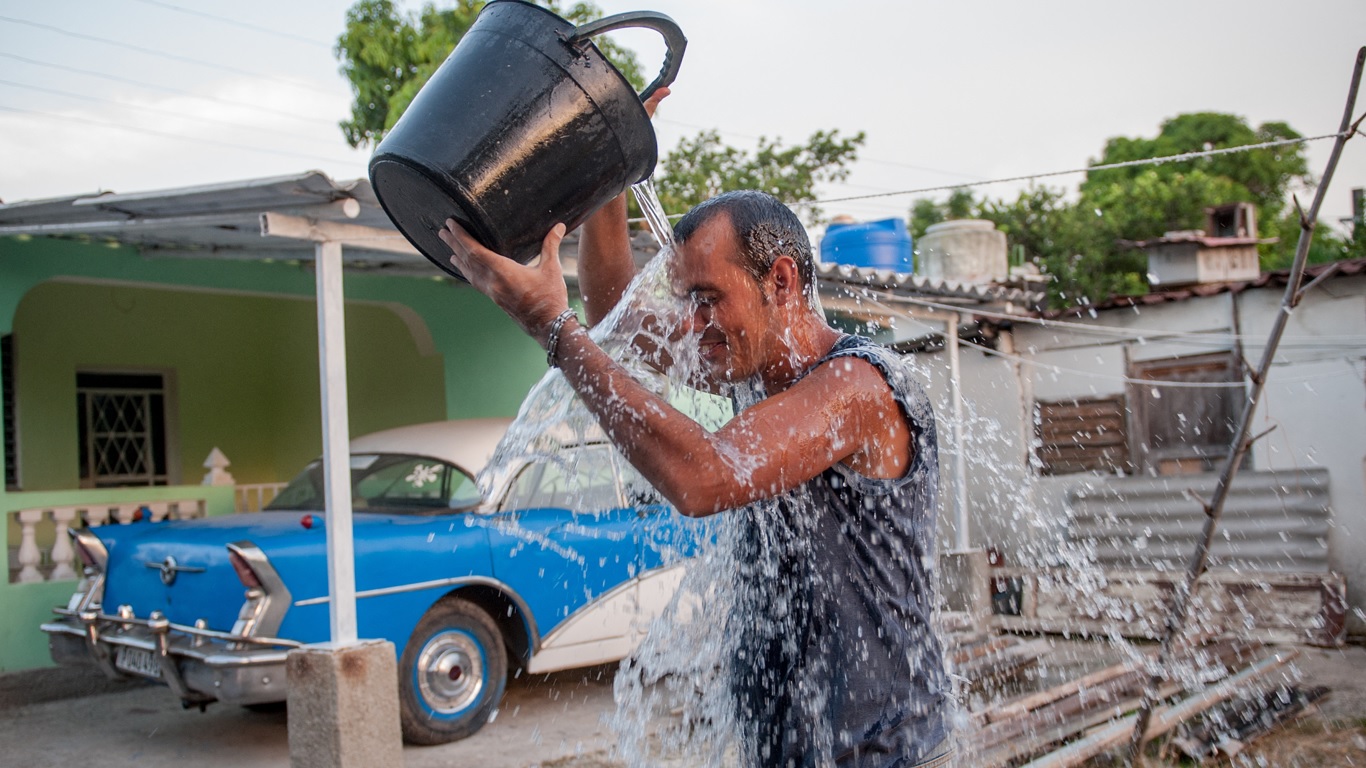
{"points": [[764, 227]]}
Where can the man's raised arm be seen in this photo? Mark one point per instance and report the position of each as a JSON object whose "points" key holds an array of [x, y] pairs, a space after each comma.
{"points": [[606, 265]]}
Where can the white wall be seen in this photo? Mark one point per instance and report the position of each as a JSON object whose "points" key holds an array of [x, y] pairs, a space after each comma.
{"points": [[1315, 398]]}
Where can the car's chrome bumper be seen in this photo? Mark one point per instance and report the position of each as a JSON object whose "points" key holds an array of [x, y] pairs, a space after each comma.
{"points": [[198, 664]]}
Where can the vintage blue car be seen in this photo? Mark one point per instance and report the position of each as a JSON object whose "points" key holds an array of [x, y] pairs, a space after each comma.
{"points": [[548, 561]]}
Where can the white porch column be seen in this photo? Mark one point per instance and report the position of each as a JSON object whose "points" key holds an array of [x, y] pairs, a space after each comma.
{"points": [[341, 561], [962, 541]]}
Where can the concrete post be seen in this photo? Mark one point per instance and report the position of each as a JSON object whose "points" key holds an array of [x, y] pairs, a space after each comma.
{"points": [[964, 580], [343, 706]]}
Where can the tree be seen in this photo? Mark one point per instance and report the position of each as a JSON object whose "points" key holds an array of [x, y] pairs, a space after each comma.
{"points": [[1072, 244], [1086, 245], [925, 213], [1173, 195], [388, 56], [703, 167]]}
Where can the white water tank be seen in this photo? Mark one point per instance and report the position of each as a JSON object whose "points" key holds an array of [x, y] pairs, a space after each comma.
{"points": [[963, 250]]}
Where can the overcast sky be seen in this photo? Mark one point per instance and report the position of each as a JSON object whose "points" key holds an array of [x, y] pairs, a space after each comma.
{"points": [[132, 95]]}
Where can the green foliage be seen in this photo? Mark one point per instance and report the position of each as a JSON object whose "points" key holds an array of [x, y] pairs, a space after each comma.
{"points": [[1264, 174], [388, 56], [1070, 243], [1327, 245], [1151, 203], [1172, 196], [961, 204], [1084, 243], [703, 167], [925, 213]]}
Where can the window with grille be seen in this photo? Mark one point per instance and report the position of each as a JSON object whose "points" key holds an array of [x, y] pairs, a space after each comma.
{"points": [[1082, 435], [122, 429], [11, 437]]}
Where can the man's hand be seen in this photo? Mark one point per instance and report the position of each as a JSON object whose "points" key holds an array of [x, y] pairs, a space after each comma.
{"points": [[652, 103], [531, 295]]}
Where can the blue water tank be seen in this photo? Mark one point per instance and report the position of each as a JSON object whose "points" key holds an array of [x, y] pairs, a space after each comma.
{"points": [[884, 244]]}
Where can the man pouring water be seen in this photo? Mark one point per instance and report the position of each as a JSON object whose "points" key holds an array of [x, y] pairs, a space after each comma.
{"points": [[833, 445]]}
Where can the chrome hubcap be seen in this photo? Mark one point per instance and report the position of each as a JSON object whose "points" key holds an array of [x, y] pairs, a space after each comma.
{"points": [[450, 672]]}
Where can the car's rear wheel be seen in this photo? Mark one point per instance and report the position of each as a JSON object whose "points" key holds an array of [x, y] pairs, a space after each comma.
{"points": [[452, 673]]}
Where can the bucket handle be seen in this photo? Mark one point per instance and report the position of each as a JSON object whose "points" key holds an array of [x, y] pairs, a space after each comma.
{"points": [[674, 41]]}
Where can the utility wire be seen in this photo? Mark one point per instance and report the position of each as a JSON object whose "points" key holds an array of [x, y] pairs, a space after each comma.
{"points": [[166, 89], [877, 161], [236, 23], [176, 115], [1105, 167], [1030, 177], [156, 53], [194, 139]]}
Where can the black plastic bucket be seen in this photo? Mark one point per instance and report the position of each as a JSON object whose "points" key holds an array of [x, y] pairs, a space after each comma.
{"points": [[525, 125]]}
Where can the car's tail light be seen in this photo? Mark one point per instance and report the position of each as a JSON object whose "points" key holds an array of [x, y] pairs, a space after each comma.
{"points": [[87, 557], [267, 598], [244, 572], [89, 549]]}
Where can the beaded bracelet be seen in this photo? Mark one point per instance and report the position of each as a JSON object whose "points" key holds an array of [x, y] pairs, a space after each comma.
{"points": [[552, 341]]}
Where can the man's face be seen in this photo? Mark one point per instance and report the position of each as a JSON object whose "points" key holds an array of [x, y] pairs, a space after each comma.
{"points": [[726, 307]]}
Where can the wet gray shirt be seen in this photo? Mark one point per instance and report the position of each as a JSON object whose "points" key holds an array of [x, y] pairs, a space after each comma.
{"points": [[835, 659]]}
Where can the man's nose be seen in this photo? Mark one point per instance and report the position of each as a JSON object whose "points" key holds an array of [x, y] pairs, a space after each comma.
{"points": [[698, 318]]}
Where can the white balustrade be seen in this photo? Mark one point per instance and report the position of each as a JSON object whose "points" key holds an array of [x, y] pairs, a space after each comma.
{"points": [[60, 560], [253, 497], [62, 553], [29, 554]]}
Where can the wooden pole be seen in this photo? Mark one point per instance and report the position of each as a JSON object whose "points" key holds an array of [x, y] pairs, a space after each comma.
{"points": [[1181, 597]]}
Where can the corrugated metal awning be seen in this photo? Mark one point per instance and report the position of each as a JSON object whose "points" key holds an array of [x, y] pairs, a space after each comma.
{"points": [[223, 221]]}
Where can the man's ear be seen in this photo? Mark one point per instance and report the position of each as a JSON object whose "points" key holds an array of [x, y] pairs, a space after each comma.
{"points": [[784, 280]]}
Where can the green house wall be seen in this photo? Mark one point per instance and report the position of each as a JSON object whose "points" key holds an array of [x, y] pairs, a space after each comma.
{"points": [[239, 340]]}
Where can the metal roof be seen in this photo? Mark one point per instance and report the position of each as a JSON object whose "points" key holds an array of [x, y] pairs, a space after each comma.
{"points": [[1274, 279], [224, 221], [1018, 294], [218, 221]]}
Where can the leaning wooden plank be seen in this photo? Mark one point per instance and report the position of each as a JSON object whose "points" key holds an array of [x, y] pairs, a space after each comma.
{"points": [[1001, 749], [1008, 741], [1164, 719], [1025, 704], [1004, 658], [1111, 683], [966, 652]]}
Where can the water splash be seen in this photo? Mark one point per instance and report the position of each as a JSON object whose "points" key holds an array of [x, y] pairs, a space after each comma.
{"points": [[674, 694]]}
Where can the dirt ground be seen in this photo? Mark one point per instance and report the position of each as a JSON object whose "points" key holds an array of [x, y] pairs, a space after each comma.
{"points": [[1331, 734], [553, 721]]}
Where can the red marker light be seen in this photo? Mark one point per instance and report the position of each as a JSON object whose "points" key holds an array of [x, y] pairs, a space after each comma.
{"points": [[306, 521]]}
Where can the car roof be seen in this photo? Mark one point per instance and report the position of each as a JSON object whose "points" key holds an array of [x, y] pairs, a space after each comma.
{"points": [[467, 443]]}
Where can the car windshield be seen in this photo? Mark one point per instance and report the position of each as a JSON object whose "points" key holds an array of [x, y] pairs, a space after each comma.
{"points": [[389, 483]]}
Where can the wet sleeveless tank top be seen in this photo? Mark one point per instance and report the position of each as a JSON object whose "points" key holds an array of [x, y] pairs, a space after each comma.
{"points": [[838, 663]]}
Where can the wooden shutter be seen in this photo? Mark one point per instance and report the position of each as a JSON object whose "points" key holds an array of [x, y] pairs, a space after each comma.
{"points": [[1082, 435]]}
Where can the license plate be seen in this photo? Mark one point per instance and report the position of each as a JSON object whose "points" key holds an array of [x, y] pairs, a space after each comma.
{"points": [[138, 661]]}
